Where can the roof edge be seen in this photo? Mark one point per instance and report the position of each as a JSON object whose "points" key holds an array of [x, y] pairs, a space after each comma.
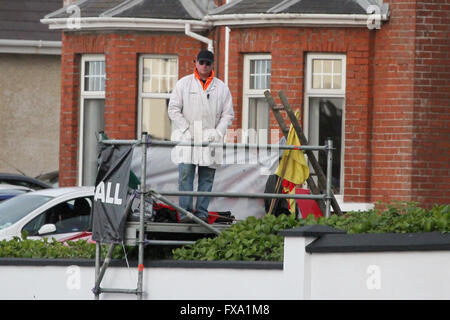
{"points": [[304, 19], [108, 23], [30, 46]]}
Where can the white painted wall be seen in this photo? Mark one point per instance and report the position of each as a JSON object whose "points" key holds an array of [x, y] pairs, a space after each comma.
{"points": [[381, 275], [194, 284], [72, 282], [321, 276]]}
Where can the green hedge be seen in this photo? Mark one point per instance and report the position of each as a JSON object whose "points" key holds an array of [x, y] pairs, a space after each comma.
{"points": [[252, 239], [47, 249], [257, 239]]}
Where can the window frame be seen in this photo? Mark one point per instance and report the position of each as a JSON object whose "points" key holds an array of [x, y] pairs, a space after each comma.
{"points": [[248, 93], [86, 95], [325, 56], [88, 58], [327, 93], [142, 94]]}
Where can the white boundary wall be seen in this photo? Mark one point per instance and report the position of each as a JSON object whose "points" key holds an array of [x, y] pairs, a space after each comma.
{"points": [[381, 275], [370, 275]]}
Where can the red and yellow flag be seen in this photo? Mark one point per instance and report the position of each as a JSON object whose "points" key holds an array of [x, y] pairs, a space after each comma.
{"points": [[293, 166]]}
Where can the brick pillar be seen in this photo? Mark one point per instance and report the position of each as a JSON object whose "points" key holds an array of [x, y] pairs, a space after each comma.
{"points": [[431, 121], [121, 86], [393, 105], [70, 88]]}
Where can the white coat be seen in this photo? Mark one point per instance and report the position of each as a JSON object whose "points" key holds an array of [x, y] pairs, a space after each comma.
{"points": [[201, 116]]}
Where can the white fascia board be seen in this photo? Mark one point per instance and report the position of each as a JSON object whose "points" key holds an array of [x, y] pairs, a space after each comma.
{"points": [[30, 46], [293, 19], [109, 23]]}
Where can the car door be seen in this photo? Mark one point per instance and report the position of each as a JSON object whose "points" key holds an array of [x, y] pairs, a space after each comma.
{"points": [[69, 218]]}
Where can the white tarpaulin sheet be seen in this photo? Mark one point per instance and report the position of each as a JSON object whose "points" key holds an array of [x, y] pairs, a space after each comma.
{"points": [[240, 172]]}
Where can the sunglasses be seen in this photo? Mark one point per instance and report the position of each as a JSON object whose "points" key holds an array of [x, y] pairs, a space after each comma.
{"points": [[202, 62]]}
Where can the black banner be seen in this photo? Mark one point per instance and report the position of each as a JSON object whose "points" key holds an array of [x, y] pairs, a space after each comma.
{"points": [[111, 189]]}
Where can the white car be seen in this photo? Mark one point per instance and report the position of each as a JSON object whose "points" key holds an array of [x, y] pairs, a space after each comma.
{"points": [[58, 213]]}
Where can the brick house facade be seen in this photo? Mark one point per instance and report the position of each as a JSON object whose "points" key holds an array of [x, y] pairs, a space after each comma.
{"points": [[121, 51], [395, 111]]}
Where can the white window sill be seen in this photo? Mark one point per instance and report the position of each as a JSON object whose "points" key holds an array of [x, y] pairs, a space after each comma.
{"points": [[352, 206]]}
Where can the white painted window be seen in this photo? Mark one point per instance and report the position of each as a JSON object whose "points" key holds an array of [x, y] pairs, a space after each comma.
{"points": [[324, 109], [157, 78], [92, 106], [94, 75], [256, 112], [326, 74]]}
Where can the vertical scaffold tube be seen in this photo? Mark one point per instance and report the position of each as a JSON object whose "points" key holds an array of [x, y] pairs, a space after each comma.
{"points": [[329, 175], [141, 216], [98, 254], [98, 246]]}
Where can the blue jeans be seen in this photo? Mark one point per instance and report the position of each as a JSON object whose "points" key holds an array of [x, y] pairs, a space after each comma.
{"points": [[186, 174]]}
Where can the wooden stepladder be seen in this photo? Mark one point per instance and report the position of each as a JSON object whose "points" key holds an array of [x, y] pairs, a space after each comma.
{"points": [[321, 178]]}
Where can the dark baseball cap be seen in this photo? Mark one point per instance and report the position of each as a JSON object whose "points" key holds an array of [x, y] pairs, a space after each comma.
{"points": [[205, 55]]}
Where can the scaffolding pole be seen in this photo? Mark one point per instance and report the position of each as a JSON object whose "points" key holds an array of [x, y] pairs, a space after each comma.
{"points": [[244, 195], [163, 143], [329, 176], [158, 196], [141, 215], [144, 143]]}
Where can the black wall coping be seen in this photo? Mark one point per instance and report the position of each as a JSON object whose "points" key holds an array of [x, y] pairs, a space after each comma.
{"points": [[20, 262], [258, 265], [378, 242], [336, 240], [315, 230]]}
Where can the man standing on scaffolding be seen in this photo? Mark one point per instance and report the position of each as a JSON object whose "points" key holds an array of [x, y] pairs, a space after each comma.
{"points": [[201, 110]]}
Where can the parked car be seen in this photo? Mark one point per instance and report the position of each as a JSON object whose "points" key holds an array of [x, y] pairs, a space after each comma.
{"points": [[24, 181], [59, 213], [8, 191], [50, 178]]}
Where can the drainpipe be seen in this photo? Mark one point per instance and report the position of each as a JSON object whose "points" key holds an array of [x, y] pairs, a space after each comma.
{"points": [[227, 40], [188, 32]]}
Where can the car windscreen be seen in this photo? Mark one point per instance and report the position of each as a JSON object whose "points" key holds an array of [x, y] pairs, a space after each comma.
{"points": [[14, 209], [6, 194]]}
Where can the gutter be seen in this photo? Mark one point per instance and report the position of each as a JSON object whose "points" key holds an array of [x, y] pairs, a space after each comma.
{"points": [[111, 23], [227, 50], [302, 19], [30, 46]]}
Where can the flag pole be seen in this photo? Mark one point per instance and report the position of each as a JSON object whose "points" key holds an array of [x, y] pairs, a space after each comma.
{"points": [[272, 202]]}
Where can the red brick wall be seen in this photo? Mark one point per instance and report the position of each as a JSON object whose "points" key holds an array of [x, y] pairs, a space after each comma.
{"points": [[393, 98], [410, 139], [121, 53], [288, 47], [431, 125], [397, 92]]}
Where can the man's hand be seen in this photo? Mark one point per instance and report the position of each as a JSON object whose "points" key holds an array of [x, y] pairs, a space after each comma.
{"points": [[213, 135]]}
